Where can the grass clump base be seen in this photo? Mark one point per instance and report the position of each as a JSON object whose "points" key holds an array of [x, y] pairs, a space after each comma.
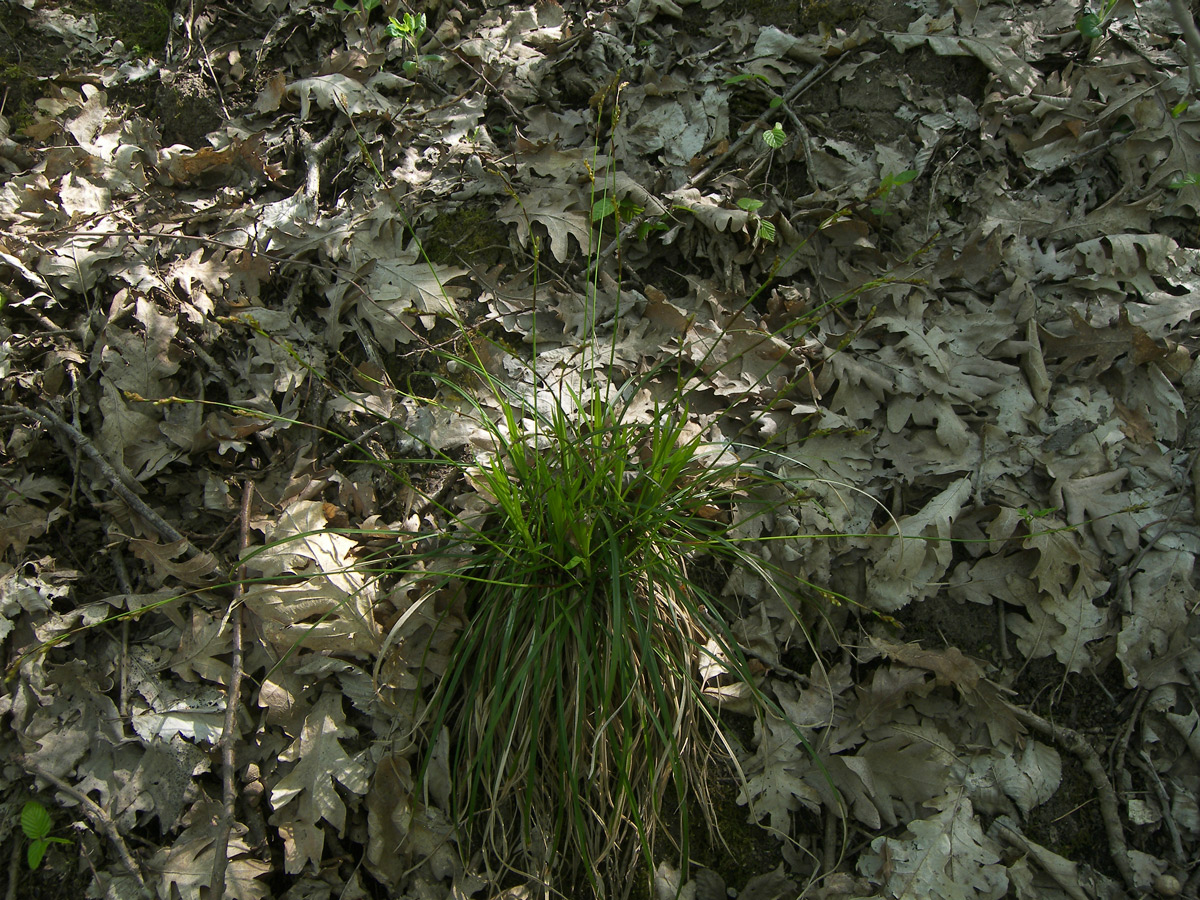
{"points": [[578, 729]]}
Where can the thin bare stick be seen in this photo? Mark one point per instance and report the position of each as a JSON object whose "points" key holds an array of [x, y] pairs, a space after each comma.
{"points": [[126, 587], [1191, 40], [817, 72], [14, 871], [232, 703], [98, 817], [1164, 801], [81, 441], [1076, 744]]}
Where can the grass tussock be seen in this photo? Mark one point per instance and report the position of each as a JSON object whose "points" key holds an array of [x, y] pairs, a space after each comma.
{"points": [[572, 700]]}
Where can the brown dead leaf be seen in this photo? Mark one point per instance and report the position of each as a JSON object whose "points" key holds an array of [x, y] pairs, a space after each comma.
{"points": [[951, 666], [161, 557], [1136, 426], [1103, 345]]}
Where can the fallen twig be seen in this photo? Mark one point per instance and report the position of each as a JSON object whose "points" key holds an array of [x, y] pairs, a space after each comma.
{"points": [[817, 72], [232, 702], [14, 871], [98, 817], [1178, 857], [1076, 744], [163, 528], [1191, 40]]}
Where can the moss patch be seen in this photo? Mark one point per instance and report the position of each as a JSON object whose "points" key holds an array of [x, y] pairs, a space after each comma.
{"points": [[470, 234], [23, 90], [804, 15], [141, 25], [739, 850]]}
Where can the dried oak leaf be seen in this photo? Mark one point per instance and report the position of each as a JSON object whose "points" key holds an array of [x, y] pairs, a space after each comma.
{"points": [[1105, 345]]}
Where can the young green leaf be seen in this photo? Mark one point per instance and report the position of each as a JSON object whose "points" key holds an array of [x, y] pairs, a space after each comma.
{"points": [[1089, 26], [775, 137], [602, 208], [36, 824], [738, 79], [644, 229], [627, 210], [410, 29], [749, 204], [35, 820]]}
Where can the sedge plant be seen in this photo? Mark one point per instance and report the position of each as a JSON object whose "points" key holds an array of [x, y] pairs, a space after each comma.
{"points": [[587, 594], [575, 714], [587, 591]]}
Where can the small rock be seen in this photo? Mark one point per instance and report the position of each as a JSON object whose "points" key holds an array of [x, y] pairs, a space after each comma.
{"points": [[1167, 886]]}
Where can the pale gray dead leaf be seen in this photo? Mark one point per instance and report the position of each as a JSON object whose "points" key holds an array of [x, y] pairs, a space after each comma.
{"points": [[940, 34], [910, 565], [335, 594], [185, 867], [560, 210], [1030, 778], [321, 763], [945, 857], [1153, 637], [1064, 617]]}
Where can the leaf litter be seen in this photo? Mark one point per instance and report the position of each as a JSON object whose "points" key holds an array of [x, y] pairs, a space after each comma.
{"points": [[1007, 380]]}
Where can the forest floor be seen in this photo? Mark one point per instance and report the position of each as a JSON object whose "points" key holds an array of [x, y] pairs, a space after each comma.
{"points": [[943, 257]]}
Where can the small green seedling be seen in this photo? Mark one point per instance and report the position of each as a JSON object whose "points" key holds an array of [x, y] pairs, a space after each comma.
{"points": [[1030, 514], [411, 29], [35, 822], [766, 230], [624, 209], [1093, 25], [776, 100], [1090, 26], [363, 7], [775, 137], [1191, 178], [662, 223], [889, 183]]}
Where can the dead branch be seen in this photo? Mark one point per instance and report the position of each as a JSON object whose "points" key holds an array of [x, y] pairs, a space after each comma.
{"points": [[160, 525], [1191, 39], [1077, 745], [232, 703], [99, 818]]}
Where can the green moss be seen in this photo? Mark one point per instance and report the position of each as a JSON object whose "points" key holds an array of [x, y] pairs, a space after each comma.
{"points": [[741, 849], [471, 234], [23, 91], [145, 32], [141, 25], [803, 14], [738, 851]]}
